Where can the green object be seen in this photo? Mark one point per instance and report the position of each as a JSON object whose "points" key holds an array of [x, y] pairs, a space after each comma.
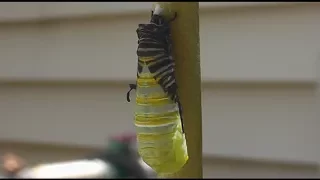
{"points": [[118, 146], [120, 149]]}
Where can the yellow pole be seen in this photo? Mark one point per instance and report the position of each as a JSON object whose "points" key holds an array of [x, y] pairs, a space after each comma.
{"points": [[186, 53]]}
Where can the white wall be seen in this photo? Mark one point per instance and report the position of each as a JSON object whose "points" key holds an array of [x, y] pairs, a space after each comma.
{"points": [[271, 44], [263, 44], [33, 11], [276, 123]]}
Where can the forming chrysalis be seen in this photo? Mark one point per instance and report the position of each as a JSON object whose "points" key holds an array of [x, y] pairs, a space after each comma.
{"points": [[158, 118]]}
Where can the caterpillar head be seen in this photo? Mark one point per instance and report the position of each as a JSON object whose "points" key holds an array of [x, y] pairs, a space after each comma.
{"points": [[158, 18], [158, 10]]}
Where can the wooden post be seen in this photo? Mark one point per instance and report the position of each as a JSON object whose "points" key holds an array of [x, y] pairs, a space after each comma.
{"points": [[186, 53]]}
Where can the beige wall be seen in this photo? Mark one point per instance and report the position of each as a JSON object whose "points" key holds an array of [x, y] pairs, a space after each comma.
{"points": [[33, 11], [259, 84], [258, 122], [248, 44]]}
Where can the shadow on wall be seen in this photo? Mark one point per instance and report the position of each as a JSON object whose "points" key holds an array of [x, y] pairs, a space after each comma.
{"points": [[233, 168]]}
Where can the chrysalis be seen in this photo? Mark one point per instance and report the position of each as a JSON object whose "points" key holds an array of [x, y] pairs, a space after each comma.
{"points": [[158, 118]]}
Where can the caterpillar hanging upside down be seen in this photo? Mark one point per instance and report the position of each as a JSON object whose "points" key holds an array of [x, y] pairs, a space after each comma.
{"points": [[158, 118]]}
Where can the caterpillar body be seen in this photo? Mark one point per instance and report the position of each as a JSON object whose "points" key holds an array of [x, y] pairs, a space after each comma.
{"points": [[158, 119]]}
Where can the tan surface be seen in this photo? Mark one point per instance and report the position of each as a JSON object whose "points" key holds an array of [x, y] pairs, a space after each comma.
{"points": [[186, 52]]}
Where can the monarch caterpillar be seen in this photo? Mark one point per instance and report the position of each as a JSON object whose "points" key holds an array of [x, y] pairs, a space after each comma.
{"points": [[158, 119]]}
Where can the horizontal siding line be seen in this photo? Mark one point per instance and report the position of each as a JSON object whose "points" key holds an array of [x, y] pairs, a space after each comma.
{"points": [[205, 84], [246, 162], [207, 159], [16, 144], [98, 11]]}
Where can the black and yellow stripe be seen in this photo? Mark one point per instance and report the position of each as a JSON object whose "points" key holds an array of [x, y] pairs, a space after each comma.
{"points": [[160, 136]]}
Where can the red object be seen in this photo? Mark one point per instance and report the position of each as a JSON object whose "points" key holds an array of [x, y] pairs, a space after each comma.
{"points": [[12, 164], [127, 138]]}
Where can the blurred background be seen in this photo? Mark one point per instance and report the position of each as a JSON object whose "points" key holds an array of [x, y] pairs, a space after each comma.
{"points": [[65, 69]]}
